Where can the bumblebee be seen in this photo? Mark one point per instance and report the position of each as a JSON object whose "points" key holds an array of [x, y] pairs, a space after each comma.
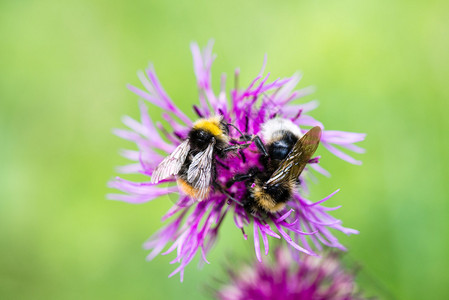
{"points": [[193, 162], [288, 152]]}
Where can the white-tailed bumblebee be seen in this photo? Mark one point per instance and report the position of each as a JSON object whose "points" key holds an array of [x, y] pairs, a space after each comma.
{"points": [[193, 162], [288, 153]]}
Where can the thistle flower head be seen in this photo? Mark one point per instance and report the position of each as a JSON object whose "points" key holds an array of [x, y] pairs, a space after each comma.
{"points": [[321, 278], [193, 226]]}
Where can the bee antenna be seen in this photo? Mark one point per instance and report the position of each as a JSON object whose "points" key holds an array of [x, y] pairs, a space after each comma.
{"points": [[230, 124]]}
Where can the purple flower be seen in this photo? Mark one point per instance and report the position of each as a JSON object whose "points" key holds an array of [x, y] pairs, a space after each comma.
{"points": [[320, 278], [194, 226]]}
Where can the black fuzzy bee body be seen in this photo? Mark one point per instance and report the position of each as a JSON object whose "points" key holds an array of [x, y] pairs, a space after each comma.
{"points": [[269, 188]]}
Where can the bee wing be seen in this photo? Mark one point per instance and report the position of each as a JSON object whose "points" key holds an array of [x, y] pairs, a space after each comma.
{"points": [[292, 166], [172, 163], [200, 172]]}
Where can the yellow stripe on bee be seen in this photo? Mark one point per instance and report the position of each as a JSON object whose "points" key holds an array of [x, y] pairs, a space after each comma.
{"points": [[212, 125], [266, 201]]}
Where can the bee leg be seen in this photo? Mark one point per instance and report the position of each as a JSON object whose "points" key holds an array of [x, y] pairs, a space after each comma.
{"points": [[249, 140], [238, 178], [231, 148], [246, 137], [242, 155], [236, 147], [256, 139], [260, 145]]}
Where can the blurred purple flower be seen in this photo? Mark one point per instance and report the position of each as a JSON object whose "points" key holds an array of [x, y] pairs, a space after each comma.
{"points": [[304, 225], [320, 278]]}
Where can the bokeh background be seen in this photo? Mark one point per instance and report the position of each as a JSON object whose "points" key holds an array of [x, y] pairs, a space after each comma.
{"points": [[380, 67]]}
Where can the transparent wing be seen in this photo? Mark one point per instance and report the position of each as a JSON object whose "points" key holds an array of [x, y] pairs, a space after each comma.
{"points": [[200, 172], [292, 166], [172, 163]]}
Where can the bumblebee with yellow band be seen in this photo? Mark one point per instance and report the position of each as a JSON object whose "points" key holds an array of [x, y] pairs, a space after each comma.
{"points": [[193, 161]]}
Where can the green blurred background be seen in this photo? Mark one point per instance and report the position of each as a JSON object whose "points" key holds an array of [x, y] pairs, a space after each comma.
{"points": [[381, 67]]}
